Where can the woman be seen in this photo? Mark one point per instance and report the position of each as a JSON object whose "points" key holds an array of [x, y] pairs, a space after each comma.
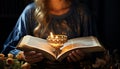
{"points": [[57, 16]]}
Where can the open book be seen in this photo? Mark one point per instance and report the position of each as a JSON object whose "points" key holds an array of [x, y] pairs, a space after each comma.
{"points": [[86, 44]]}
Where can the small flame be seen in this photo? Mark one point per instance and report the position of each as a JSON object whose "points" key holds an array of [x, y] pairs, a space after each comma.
{"points": [[51, 35]]}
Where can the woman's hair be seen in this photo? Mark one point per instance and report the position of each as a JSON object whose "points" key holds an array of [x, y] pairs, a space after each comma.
{"points": [[42, 16]]}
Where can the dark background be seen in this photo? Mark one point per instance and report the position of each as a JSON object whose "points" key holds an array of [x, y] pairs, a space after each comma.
{"points": [[106, 11]]}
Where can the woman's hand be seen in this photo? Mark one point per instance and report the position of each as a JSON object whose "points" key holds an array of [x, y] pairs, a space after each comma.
{"points": [[75, 55], [33, 57]]}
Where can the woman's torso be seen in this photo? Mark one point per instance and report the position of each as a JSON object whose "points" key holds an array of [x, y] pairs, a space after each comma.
{"points": [[70, 24]]}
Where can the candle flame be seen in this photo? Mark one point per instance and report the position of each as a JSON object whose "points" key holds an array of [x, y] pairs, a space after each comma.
{"points": [[51, 35]]}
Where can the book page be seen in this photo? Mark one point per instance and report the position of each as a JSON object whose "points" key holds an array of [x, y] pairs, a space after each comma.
{"points": [[37, 44], [83, 41], [86, 44]]}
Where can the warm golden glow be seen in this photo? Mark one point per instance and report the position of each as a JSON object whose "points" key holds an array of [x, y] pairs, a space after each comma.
{"points": [[56, 41], [51, 35], [56, 37]]}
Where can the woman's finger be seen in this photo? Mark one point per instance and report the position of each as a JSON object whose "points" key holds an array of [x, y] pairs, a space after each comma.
{"points": [[33, 56], [80, 53], [72, 57], [29, 53], [31, 61], [76, 55]]}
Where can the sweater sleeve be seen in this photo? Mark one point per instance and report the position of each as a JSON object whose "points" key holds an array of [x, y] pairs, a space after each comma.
{"points": [[21, 28]]}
